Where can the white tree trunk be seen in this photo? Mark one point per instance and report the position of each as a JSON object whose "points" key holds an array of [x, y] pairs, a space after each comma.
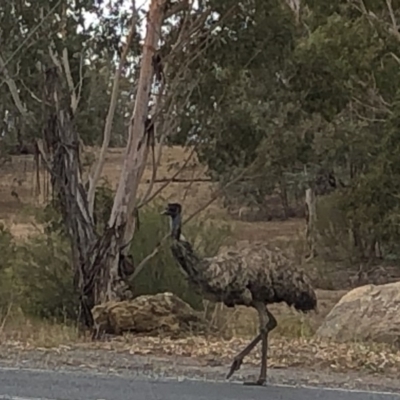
{"points": [[122, 219], [311, 218]]}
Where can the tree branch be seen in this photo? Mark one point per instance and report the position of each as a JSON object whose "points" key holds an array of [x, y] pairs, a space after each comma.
{"points": [[167, 181], [74, 98], [176, 8], [138, 141], [165, 131], [13, 89], [395, 29], [185, 34], [31, 33], [93, 180]]}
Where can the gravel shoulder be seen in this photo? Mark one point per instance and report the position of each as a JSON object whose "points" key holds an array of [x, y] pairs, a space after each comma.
{"points": [[123, 363]]}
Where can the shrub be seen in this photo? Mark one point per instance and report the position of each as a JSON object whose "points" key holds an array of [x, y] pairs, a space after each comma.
{"points": [[39, 270], [43, 276], [7, 249]]}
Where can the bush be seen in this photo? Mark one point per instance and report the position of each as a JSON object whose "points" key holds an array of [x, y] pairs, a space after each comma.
{"points": [[43, 276], [37, 274], [333, 230], [7, 249], [351, 246]]}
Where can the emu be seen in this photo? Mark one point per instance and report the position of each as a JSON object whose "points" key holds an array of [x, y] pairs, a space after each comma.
{"points": [[254, 277]]}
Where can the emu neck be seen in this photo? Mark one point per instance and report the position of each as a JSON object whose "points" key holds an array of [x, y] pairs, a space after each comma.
{"points": [[183, 251], [187, 259], [176, 223]]}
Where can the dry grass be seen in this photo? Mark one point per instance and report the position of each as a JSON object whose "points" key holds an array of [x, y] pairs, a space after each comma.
{"points": [[241, 322], [307, 353], [283, 352], [291, 345], [38, 333], [20, 177]]}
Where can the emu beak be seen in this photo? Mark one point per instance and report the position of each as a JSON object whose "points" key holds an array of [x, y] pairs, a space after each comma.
{"points": [[164, 212]]}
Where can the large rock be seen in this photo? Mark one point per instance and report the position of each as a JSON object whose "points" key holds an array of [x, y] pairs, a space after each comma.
{"points": [[151, 315], [367, 313]]}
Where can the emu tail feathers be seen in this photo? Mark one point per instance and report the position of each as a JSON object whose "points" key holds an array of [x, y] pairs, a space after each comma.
{"points": [[296, 290]]}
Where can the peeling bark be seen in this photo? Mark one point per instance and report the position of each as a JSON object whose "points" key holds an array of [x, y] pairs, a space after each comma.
{"points": [[62, 143], [102, 264], [311, 217], [90, 253], [122, 219]]}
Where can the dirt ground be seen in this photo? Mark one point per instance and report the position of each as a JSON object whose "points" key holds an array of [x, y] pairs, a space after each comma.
{"points": [[290, 361]]}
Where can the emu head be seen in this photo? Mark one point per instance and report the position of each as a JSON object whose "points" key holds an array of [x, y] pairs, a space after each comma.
{"points": [[174, 211]]}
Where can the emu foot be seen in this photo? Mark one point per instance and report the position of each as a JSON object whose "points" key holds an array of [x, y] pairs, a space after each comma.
{"points": [[237, 362], [258, 382]]}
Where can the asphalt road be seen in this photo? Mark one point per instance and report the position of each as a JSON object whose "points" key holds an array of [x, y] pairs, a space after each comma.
{"points": [[20, 384]]}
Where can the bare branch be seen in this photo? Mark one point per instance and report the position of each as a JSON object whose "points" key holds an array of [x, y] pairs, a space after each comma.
{"points": [[13, 89], [33, 95], [184, 180], [54, 58], [80, 84], [176, 8], [165, 131], [110, 116], [396, 58], [295, 6], [214, 197], [395, 30], [173, 90], [168, 181], [70, 81], [42, 152], [384, 106], [183, 37], [193, 180], [31, 33], [138, 142]]}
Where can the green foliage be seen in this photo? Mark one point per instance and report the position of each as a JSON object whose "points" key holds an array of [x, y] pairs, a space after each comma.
{"points": [[28, 30], [36, 275], [291, 97], [285, 95], [43, 277], [162, 272], [7, 249]]}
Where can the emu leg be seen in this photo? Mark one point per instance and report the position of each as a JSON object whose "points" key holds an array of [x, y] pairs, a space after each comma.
{"points": [[270, 325], [237, 361], [267, 324]]}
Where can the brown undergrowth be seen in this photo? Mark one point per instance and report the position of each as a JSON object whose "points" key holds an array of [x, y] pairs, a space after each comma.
{"points": [[284, 352], [291, 345]]}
